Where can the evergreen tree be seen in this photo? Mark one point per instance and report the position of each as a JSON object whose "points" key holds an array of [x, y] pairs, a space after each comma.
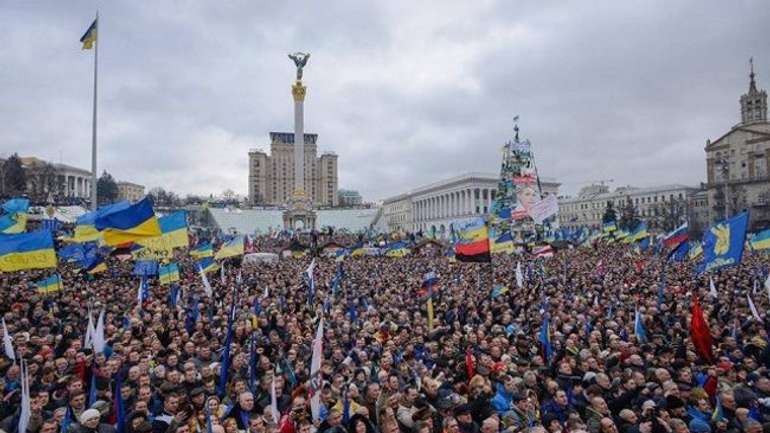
{"points": [[628, 216], [14, 177], [106, 189]]}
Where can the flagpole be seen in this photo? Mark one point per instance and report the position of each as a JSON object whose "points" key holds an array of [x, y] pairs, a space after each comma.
{"points": [[93, 121]]}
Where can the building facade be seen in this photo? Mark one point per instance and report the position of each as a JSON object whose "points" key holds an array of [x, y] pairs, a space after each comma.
{"points": [[738, 163], [432, 208], [660, 206], [349, 198], [54, 181], [130, 191], [271, 176]]}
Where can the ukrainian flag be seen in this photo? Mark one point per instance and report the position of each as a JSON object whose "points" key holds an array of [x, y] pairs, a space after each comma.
{"points": [[639, 233], [202, 250], [397, 249], [207, 264], [231, 248], [27, 251], [97, 267], [696, 249], [503, 244], [13, 223], [85, 229], [174, 233], [168, 273], [760, 240], [135, 223], [609, 227], [89, 37], [48, 285], [15, 205]]}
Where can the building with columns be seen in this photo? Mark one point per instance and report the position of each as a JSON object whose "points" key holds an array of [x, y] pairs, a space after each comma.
{"points": [[271, 176], [437, 205], [50, 180], [738, 163]]}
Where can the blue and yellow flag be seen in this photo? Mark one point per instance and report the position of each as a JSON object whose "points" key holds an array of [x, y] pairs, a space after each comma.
{"points": [[207, 264], [231, 248], [27, 251], [723, 243], [696, 250], [15, 205], [85, 230], [174, 234], [48, 285], [397, 249], [89, 37], [760, 241], [637, 234], [135, 223], [13, 223], [168, 273], [202, 250], [609, 227], [503, 244]]}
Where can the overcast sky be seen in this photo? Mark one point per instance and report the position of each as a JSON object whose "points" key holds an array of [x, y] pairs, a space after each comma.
{"points": [[405, 92]]}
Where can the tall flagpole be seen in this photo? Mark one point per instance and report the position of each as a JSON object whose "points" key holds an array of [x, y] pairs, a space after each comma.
{"points": [[93, 122]]}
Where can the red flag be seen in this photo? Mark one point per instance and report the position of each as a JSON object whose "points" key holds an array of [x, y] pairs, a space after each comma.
{"points": [[699, 331], [470, 368]]}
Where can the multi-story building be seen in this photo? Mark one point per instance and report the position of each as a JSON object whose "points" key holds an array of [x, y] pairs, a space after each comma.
{"points": [[271, 176], [349, 198], [432, 208], [738, 163], [130, 191], [660, 206]]}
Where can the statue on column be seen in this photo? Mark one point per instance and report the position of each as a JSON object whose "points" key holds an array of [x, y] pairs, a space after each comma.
{"points": [[300, 60]]}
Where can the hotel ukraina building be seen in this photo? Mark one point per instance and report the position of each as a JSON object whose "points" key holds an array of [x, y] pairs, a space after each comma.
{"points": [[271, 177], [437, 205]]}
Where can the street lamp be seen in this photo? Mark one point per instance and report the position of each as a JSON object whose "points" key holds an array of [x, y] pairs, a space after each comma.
{"points": [[724, 166]]}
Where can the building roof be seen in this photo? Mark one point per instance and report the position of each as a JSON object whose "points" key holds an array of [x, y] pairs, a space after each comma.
{"points": [[628, 190], [288, 137], [34, 161]]}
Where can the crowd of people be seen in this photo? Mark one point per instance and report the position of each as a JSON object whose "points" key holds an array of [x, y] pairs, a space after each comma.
{"points": [[480, 364]]}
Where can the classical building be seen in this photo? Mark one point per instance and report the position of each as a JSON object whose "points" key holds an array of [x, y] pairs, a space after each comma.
{"points": [[55, 181], [271, 176], [737, 163], [130, 191], [437, 205], [658, 206], [349, 198]]}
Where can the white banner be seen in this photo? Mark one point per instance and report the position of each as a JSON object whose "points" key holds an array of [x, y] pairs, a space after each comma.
{"points": [[542, 209]]}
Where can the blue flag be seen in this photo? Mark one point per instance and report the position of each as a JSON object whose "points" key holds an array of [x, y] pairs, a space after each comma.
{"points": [[225, 368], [545, 339], [723, 243], [639, 330]]}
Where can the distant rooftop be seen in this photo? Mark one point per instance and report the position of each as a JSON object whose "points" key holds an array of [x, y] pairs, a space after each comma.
{"points": [[263, 220]]}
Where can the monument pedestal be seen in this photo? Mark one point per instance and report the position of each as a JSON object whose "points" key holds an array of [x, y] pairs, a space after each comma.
{"points": [[299, 214]]}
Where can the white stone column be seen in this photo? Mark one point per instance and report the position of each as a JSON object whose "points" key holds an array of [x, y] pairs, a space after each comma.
{"points": [[298, 92]]}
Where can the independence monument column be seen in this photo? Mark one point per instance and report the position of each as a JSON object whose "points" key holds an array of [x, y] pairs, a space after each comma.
{"points": [[300, 205]]}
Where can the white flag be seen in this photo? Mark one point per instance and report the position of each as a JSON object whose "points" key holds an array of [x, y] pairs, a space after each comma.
{"points": [[767, 282], [753, 309], [99, 342], [239, 278], [89, 340], [274, 403], [519, 276], [26, 410], [206, 285], [266, 294], [8, 343], [222, 274], [712, 289], [315, 372]]}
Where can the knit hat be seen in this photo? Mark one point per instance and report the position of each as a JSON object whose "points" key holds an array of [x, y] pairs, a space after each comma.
{"points": [[89, 414]]}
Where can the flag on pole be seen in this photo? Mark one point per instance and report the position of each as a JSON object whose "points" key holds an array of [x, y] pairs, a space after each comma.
{"points": [[98, 339], [205, 280], [519, 276], [26, 411], [310, 281], [699, 331], [225, 368], [545, 339], [89, 37], [712, 289], [639, 330], [88, 341], [753, 308], [316, 378], [723, 243], [134, 223], [8, 343]]}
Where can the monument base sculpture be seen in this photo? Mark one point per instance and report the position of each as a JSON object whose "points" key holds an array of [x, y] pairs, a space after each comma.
{"points": [[299, 214]]}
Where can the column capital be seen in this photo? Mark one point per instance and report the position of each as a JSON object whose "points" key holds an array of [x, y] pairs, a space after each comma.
{"points": [[298, 91]]}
